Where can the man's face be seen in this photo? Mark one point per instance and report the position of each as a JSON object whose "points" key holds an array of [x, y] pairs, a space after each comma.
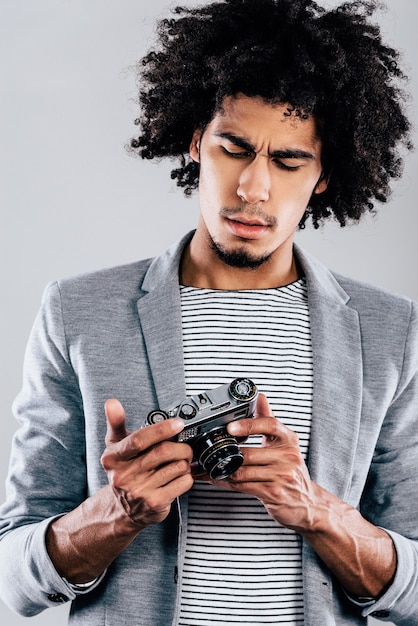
{"points": [[259, 167]]}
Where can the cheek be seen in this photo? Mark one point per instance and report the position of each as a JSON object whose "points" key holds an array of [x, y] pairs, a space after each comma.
{"points": [[299, 190], [217, 184], [291, 199]]}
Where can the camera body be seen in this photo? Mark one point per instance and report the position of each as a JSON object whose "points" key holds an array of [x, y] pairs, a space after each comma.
{"points": [[206, 416]]}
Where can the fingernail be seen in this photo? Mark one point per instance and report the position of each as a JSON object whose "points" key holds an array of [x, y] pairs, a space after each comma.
{"points": [[177, 423], [234, 428]]}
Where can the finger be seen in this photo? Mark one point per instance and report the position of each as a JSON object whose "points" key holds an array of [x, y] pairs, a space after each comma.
{"points": [[176, 487], [274, 431], [262, 408], [166, 474], [148, 437], [116, 421], [265, 464], [155, 505], [243, 428], [165, 453], [126, 466]]}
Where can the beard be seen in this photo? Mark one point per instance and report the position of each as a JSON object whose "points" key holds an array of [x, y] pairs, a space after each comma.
{"points": [[240, 258]]}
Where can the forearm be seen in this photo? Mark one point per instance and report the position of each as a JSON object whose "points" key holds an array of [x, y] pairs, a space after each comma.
{"points": [[84, 542], [361, 555]]}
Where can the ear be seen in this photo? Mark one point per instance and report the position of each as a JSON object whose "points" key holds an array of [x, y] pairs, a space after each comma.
{"points": [[194, 149], [322, 184]]}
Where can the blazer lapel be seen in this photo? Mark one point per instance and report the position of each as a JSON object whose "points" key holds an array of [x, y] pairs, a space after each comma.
{"points": [[160, 317], [337, 376], [159, 311]]}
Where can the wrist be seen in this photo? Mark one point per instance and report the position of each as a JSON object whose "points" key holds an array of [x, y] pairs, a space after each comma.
{"points": [[84, 542], [361, 555]]}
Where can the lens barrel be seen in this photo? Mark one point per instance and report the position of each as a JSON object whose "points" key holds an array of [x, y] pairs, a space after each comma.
{"points": [[218, 453]]}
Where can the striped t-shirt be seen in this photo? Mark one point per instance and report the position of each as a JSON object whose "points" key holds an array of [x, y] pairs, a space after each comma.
{"points": [[241, 566]]}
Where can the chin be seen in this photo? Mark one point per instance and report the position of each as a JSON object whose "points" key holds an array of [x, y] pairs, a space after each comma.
{"points": [[239, 257]]}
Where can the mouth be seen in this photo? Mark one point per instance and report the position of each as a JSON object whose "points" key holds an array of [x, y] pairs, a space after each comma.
{"points": [[248, 221], [246, 228]]}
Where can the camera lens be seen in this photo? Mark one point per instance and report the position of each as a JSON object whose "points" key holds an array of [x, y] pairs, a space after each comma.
{"points": [[218, 453]]}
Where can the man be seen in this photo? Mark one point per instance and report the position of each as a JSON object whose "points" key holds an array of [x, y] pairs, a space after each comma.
{"points": [[286, 111]]}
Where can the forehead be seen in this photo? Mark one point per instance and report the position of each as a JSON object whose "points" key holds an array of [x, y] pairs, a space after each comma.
{"points": [[256, 120]]}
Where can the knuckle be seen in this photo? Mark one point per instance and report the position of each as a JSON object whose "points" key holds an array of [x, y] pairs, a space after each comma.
{"points": [[295, 457], [170, 450], [278, 495], [293, 438], [183, 466], [152, 502], [275, 425], [238, 476], [117, 481], [242, 474], [187, 452], [105, 460], [163, 449], [252, 424], [176, 469], [187, 482], [137, 440], [113, 482]]}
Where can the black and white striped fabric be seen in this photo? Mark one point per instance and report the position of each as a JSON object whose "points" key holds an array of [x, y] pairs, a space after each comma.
{"points": [[242, 567]]}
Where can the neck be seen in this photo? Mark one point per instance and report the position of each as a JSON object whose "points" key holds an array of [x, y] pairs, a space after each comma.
{"points": [[211, 272]]}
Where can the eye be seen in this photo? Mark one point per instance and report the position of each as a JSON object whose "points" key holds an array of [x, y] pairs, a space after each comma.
{"points": [[285, 167], [242, 154]]}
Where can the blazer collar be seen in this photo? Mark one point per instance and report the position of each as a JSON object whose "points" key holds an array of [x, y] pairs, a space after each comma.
{"points": [[337, 363]]}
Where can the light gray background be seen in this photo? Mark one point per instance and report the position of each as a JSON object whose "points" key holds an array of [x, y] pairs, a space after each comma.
{"points": [[72, 200]]}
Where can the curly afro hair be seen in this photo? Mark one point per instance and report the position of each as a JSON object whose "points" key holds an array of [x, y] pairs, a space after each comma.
{"points": [[331, 64]]}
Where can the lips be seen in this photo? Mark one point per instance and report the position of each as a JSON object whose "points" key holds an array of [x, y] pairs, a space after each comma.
{"points": [[251, 229], [248, 221]]}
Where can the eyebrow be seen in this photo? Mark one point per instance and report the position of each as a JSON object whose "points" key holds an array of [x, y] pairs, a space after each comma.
{"points": [[240, 142]]}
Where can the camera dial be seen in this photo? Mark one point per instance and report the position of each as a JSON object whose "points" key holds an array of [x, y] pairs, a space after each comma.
{"points": [[242, 389], [157, 416], [187, 411]]}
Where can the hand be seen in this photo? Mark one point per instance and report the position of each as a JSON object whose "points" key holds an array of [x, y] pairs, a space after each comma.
{"points": [[146, 471], [275, 473]]}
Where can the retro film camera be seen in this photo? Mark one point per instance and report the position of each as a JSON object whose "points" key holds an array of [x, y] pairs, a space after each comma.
{"points": [[206, 416]]}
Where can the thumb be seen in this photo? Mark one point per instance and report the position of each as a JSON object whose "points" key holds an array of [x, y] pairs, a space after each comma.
{"points": [[116, 421], [262, 408]]}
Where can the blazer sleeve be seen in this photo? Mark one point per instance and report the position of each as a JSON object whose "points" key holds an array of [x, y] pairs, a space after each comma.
{"points": [[47, 475], [390, 498]]}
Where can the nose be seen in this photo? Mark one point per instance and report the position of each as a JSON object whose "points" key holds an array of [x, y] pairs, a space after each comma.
{"points": [[254, 181]]}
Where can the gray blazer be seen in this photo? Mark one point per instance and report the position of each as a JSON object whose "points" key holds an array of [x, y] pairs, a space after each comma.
{"points": [[117, 333]]}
